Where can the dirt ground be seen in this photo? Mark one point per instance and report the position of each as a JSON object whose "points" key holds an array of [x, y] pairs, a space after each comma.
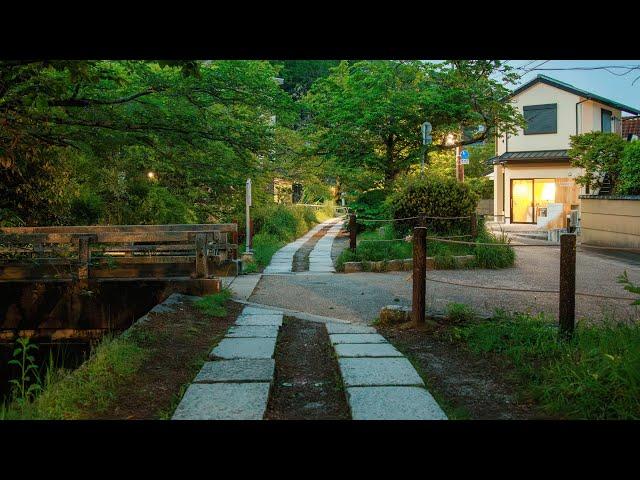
{"points": [[474, 387], [307, 383], [179, 343]]}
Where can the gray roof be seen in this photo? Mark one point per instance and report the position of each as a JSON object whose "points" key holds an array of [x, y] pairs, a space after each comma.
{"points": [[531, 156]]}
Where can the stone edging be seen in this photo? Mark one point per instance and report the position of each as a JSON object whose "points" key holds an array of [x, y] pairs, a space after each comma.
{"points": [[401, 265]]}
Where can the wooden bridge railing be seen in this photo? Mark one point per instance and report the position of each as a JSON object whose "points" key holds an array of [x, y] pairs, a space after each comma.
{"points": [[115, 251]]}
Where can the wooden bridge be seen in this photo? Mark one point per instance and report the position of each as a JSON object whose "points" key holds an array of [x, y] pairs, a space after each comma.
{"points": [[117, 252]]}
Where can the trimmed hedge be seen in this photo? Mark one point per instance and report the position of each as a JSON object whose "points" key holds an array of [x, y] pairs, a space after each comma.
{"points": [[434, 197]]}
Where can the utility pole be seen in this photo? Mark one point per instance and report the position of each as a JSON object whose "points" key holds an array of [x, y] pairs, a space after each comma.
{"points": [[459, 166]]}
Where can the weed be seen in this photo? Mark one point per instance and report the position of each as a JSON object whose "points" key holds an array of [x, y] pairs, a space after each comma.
{"points": [[214, 304], [460, 313]]}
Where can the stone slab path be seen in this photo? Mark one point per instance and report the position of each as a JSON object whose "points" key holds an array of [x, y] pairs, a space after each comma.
{"points": [[235, 385], [282, 260], [381, 383]]}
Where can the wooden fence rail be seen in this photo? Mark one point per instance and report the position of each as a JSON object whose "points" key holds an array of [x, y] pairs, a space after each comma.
{"points": [[115, 251]]}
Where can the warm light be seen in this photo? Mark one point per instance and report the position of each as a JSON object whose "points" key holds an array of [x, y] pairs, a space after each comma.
{"points": [[151, 175], [548, 192], [450, 139]]}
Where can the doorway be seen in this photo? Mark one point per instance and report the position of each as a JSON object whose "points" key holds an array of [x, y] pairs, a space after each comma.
{"points": [[530, 197]]}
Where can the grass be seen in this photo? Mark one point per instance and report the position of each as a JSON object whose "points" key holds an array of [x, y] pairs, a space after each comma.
{"points": [[67, 395], [370, 250], [596, 375], [460, 313], [214, 304]]}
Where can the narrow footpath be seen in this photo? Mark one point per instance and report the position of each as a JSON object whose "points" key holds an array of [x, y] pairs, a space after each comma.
{"points": [[254, 373]]}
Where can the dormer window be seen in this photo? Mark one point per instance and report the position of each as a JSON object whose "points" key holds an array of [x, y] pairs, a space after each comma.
{"points": [[541, 119]]}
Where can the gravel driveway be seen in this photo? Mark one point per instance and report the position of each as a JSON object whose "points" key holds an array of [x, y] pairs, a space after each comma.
{"points": [[360, 296]]}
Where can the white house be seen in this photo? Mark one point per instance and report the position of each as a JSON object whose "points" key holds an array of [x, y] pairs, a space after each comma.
{"points": [[533, 179]]}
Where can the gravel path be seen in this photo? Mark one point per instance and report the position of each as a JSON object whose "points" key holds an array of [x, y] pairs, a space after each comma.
{"points": [[360, 296]]}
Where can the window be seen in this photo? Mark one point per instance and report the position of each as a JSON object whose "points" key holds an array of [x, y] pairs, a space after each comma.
{"points": [[541, 119], [605, 115]]}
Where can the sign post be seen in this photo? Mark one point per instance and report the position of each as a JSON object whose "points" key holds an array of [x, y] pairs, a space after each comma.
{"points": [[426, 140], [248, 206]]}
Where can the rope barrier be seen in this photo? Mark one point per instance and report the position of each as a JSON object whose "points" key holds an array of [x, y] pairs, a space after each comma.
{"points": [[460, 242], [524, 290], [409, 218]]}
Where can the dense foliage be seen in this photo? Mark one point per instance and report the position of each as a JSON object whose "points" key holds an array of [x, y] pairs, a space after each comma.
{"points": [[78, 138], [598, 153], [367, 115], [629, 180]]}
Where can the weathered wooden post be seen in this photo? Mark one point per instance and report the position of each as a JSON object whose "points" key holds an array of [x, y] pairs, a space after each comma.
{"points": [[352, 232], [474, 225], [201, 255], [235, 239], [567, 305], [419, 275], [84, 257], [251, 233]]}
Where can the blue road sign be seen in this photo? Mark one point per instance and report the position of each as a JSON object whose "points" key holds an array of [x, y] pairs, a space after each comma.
{"points": [[464, 157]]}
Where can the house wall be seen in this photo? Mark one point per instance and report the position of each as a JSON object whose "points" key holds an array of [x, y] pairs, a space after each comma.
{"points": [[613, 221], [588, 119]]}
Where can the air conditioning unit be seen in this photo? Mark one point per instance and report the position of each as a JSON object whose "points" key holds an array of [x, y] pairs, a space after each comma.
{"points": [[574, 216]]}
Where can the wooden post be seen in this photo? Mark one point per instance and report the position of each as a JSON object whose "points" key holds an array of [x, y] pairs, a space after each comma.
{"points": [[567, 305], [84, 257], [353, 227], [234, 240], [201, 255], [419, 275], [251, 233], [474, 225]]}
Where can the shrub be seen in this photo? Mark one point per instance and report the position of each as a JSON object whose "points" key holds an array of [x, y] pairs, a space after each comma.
{"points": [[371, 204], [629, 180], [494, 257], [434, 197], [597, 153], [87, 208], [482, 186]]}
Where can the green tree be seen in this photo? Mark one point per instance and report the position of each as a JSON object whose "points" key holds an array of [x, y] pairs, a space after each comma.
{"points": [[68, 128], [629, 181], [368, 114], [599, 154]]}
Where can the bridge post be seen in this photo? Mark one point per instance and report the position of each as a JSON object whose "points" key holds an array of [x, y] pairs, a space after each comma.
{"points": [[201, 255], [84, 257]]}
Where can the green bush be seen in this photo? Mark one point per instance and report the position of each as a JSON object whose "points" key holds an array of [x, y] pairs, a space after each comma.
{"points": [[494, 257], [87, 208], [482, 186], [596, 375], [434, 197], [629, 180], [371, 204]]}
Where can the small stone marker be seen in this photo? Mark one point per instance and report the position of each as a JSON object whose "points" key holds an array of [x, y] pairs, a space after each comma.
{"points": [[240, 370], [366, 350], [359, 372], [393, 403], [223, 401], [230, 348], [357, 338]]}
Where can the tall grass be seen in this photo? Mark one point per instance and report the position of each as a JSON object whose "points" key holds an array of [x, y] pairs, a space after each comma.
{"points": [[596, 375]]}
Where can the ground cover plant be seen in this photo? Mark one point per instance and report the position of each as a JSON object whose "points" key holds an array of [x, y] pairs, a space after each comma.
{"points": [[595, 375]]}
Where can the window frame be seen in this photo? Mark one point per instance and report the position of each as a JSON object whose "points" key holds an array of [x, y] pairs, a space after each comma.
{"points": [[543, 106], [602, 115]]}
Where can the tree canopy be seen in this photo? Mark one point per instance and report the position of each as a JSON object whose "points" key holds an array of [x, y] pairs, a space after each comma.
{"points": [[368, 114]]}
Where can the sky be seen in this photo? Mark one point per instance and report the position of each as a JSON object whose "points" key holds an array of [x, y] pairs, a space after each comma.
{"points": [[600, 82]]}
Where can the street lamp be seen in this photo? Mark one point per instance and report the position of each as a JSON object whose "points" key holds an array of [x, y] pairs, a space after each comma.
{"points": [[151, 175]]}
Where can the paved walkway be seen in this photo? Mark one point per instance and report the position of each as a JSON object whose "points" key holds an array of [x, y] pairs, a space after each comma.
{"points": [[236, 384]]}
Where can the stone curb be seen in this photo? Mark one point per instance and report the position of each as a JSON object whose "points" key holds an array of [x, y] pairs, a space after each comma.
{"points": [[398, 265]]}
